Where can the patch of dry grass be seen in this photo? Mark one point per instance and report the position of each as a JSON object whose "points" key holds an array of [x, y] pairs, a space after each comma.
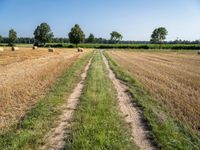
{"points": [[173, 78], [24, 81]]}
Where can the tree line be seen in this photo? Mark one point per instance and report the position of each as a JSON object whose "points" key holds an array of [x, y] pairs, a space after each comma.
{"points": [[43, 35]]}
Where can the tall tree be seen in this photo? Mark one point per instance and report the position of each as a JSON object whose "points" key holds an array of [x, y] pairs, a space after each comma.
{"points": [[159, 35], [91, 38], [1, 38], [76, 35], [115, 36], [43, 34], [12, 37]]}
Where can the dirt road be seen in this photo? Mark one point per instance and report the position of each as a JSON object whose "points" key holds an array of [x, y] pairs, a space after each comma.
{"points": [[55, 139], [132, 114]]}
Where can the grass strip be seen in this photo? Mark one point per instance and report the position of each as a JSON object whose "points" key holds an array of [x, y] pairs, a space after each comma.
{"points": [[29, 132], [166, 131], [98, 123]]}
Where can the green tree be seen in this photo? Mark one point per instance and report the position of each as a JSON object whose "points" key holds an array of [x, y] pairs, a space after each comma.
{"points": [[76, 35], [159, 35], [43, 34], [1, 38], [115, 37], [91, 38], [12, 37]]}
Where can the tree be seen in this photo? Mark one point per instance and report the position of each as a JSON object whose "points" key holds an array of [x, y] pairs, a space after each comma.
{"points": [[43, 34], [1, 38], [76, 35], [115, 37], [12, 37], [159, 35], [91, 38]]}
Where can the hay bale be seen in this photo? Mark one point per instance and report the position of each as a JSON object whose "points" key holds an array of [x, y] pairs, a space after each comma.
{"points": [[198, 52], [15, 48], [51, 49], [80, 49], [35, 47], [1, 49]]}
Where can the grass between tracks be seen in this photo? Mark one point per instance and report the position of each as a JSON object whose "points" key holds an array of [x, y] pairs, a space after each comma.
{"points": [[98, 123], [29, 132], [166, 131]]}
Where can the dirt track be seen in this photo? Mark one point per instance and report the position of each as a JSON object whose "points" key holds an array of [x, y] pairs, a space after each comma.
{"points": [[132, 114], [55, 139]]}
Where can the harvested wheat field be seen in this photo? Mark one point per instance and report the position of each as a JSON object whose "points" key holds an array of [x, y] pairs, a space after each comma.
{"points": [[173, 78], [9, 57], [25, 77]]}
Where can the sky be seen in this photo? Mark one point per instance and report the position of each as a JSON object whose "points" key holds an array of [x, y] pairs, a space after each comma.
{"points": [[134, 19]]}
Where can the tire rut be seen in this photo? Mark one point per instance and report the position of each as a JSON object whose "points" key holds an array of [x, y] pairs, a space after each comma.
{"points": [[55, 139], [132, 114]]}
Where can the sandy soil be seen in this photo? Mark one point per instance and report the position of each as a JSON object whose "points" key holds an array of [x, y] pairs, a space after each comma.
{"points": [[55, 140], [132, 114]]}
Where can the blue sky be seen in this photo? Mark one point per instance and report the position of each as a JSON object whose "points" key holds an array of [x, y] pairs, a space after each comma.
{"points": [[135, 19]]}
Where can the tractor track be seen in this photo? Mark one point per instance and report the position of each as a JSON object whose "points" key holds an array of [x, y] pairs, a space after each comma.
{"points": [[55, 139], [132, 114]]}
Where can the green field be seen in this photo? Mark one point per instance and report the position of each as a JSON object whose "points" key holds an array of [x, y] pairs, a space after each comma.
{"points": [[119, 46], [130, 46]]}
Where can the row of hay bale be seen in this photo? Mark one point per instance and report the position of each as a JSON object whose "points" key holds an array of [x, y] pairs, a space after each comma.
{"points": [[13, 49], [35, 47], [50, 49]]}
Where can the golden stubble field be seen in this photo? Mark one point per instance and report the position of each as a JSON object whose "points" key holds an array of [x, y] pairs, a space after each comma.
{"points": [[173, 78], [25, 77]]}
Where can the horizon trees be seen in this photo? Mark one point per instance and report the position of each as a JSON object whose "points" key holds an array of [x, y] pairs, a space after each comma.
{"points": [[76, 35], [115, 36], [43, 34], [159, 35], [12, 37], [1, 38], [91, 38]]}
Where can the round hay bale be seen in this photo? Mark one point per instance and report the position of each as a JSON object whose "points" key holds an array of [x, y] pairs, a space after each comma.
{"points": [[35, 47], [15, 48], [51, 50], [1, 49], [80, 49], [198, 52]]}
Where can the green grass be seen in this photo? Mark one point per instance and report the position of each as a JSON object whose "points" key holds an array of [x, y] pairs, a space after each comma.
{"points": [[168, 133], [98, 123], [146, 47], [129, 46], [24, 45], [17, 45], [29, 132]]}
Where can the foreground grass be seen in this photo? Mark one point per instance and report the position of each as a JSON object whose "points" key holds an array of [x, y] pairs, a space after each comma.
{"points": [[29, 132], [97, 123], [167, 132]]}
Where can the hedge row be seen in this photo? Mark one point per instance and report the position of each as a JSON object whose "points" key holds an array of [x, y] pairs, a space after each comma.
{"points": [[130, 46]]}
